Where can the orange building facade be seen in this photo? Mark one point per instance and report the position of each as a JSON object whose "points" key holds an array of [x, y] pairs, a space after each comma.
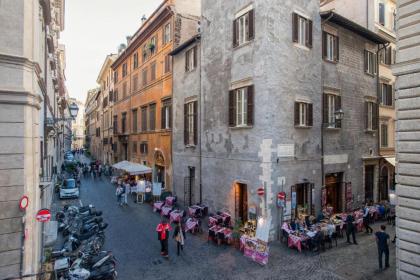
{"points": [[142, 114]]}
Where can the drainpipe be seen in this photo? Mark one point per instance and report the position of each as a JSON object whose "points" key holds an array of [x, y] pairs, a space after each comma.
{"points": [[200, 126]]}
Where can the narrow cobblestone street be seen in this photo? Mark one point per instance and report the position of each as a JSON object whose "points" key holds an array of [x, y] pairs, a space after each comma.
{"points": [[132, 238]]}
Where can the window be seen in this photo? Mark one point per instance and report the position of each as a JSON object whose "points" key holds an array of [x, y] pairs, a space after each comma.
{"points": [[371, 116], [241, 107], [134, 120], [115, 124], [115, 95], [332, 103], [116, 76], [167, 33], [136, 60], [124, 122], [143, 148], [144, 119], [136, 82], [302, 30], [243, 29], [153, 71], [370, 62], [145, 52], [386, 95], [134, 148], [166, 114], [191, 59], [168, 64], [384, 135], [124, 89], [144, 77], [381, 13], [152, 116], [190, 123], [124, 70], [303, 114], [153, 46], [385, 55], [330, 47]]}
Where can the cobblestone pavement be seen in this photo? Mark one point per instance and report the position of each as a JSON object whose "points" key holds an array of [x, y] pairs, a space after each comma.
{"points": [[131, 236]]}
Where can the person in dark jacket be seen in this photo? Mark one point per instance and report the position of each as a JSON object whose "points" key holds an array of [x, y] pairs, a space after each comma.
{"points": [[350, 229], [179, 236], [382, 240], [163, 235]]}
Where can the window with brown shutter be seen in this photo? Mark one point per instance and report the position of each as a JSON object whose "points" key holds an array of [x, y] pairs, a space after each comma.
{"points": [[152, 117], [144, 77], [332, 103], [232, 111], [244, 28], [370, 62], [330, 47], [250, 105], [166, 112], [195, 117], [301, 30], [153, 71], [241, 107], [185, 124], [371, 116], [195, 56], [168, 63], [303, 114], [144, 118], [337, 108], [190, 123]]}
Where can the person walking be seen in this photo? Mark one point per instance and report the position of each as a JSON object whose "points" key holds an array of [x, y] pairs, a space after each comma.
{"points": [[126, 192], [118, 192], [366, 219], [350, 229], [163, 234], [179, 236], [382, 240]]}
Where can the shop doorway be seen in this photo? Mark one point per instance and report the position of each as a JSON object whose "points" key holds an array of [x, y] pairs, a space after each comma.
{"points": [[160, 175], [303, 199], [189, 183], [383, 187], [334, 192], [369, 181], [241, 202]]}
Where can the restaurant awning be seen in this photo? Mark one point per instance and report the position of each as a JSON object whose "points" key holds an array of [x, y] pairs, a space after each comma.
{"points": [[391, 160], [132, 168]]}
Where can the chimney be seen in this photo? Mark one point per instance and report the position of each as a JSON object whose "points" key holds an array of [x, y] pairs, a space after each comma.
{"points": [[121, 48], [128, 38]]}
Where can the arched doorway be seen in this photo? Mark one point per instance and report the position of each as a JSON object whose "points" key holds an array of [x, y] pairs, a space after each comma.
{"points": [[383, 188], [159, 168]]}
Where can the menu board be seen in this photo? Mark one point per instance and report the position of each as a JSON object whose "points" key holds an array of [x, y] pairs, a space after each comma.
{"points": [[263, 229], [157, 189]]}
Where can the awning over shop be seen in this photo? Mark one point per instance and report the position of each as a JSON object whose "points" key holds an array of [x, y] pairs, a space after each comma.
{"points": [[132, 168], [391, 160]]}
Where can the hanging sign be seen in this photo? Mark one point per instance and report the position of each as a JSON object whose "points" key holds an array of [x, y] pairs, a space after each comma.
{"points": [[281, 199], [260, 191], [23, 202], [43, 215]]}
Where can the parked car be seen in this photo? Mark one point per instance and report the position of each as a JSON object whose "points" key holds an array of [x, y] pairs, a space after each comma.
{"points": [[69, 189]]}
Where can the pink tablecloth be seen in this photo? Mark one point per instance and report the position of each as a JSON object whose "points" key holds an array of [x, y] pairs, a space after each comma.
{"points": [[170, 200], [191, 224], [192, 210], [175, 216], [157, 206], [295, 241], [166, 210], [213, 220]]}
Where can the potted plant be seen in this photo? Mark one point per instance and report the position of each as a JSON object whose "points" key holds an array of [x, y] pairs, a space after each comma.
{"points": [[151, 46], [236, 233]]}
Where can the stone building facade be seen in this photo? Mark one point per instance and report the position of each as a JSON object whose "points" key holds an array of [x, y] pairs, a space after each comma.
{"points": [[143, 88], [91, 117], [407, 71], [78, 126], [186, 136], [32, 99], [379, 16]]}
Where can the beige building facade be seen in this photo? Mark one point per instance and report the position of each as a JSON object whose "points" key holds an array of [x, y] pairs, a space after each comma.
{"points": [[78, 126], [32, 98], [407, 71]]}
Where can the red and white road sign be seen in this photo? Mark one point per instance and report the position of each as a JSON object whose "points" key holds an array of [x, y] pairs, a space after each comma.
{"points": [[23, 202], [43, 215], [260, 191], [281, 195]]}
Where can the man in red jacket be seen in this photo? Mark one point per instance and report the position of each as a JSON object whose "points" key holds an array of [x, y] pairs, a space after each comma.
{"points": [[163, 235]]}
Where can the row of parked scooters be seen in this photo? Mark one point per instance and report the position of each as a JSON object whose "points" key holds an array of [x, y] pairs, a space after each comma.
{"points": [[81, 256]]}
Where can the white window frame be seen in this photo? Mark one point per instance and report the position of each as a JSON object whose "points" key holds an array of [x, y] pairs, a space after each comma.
{"points": [[370, 116], [331, 110], [243, 28], [381, 135], [303, 113], [302, 25], [241, 101], [190, 54], [331, 41], [190, 117], [371, 68], [167, 124], [167, 33]]}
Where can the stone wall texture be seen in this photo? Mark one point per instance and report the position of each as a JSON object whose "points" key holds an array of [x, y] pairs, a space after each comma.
{"points": [[407, 70]]}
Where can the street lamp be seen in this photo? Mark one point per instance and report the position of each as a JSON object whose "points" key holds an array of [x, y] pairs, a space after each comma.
{"points": [[339, 114], [74, 109]]}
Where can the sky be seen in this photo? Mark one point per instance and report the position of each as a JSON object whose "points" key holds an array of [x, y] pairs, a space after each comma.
{"points": [[94, 29]]}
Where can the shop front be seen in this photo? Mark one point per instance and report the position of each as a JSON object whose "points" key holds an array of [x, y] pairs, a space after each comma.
{"points": [[159, 169], [303, 204], [333, 192]]}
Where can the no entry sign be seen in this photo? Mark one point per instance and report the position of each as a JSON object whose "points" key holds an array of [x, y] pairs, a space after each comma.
{"points": [[260, 191], [43, 215], [281, 195]]}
